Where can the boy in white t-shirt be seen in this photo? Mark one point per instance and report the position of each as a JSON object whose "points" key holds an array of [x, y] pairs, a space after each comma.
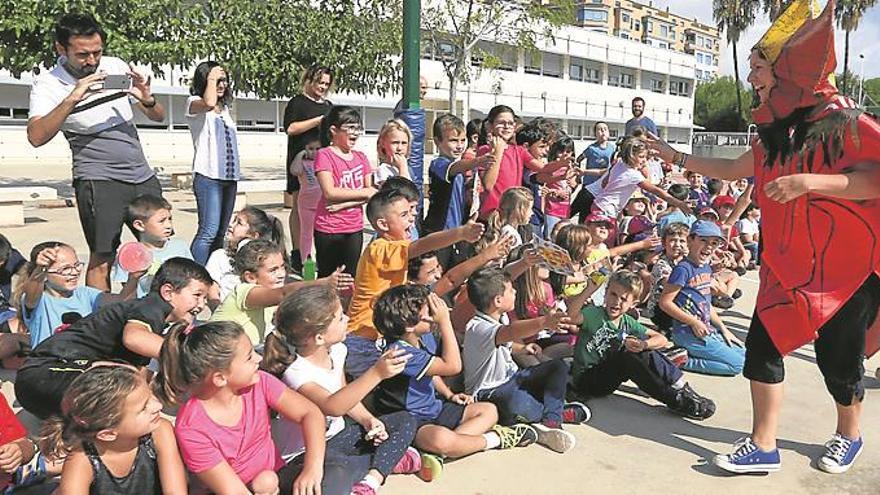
{"points": [[536, 394]]}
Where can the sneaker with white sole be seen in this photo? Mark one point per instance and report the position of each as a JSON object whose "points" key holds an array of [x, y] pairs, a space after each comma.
{"points": [[840, 454], [555, 439], [575, 413], [748, 458], [518, 435]]}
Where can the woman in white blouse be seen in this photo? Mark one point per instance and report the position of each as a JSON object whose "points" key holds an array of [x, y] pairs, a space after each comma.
{"points": [[215, 161]]}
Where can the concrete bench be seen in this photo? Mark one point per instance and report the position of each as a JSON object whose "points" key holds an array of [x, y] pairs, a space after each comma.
{"points": [[12, 201], [246, 187]]}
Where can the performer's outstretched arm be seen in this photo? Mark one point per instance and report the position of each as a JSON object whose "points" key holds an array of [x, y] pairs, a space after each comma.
{"points": [[858, 183], [719, 168]]}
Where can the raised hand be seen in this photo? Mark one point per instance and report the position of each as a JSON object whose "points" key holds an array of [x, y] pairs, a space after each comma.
{"points": [[339, 280], [392, 362], [438, 309]]}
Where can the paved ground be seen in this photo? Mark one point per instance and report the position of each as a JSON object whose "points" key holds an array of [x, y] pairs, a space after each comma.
{"points": [[632, 445]]}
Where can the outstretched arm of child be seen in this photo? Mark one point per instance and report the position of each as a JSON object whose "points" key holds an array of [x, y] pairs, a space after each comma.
{"points": [[462, 166], [742, 202], [448, 363], [460, 272], [172, 474], [139, 338], [469, 232], [667, 304], [391, 363], [33, 285], [576, 303], [662, 194], [624, 249], [518, 330], [264, 297]]}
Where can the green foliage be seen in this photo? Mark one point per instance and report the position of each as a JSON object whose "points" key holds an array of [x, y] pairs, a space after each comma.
{"points": [[715, 105], [872, 90], [263, 44]]}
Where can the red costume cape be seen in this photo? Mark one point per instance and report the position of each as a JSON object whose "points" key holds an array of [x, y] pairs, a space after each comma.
{"points": [[817, 251]]}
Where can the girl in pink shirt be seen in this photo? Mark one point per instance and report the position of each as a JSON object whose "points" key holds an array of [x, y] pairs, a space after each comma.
{"points": [[345, 177], [510, 158], [223, 428], [559, 185]]}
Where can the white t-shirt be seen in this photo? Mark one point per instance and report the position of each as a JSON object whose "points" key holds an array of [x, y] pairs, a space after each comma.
{"points": [[511, 230], [288, 435], [747, 226], [622, 183], [215, 141], [219, 265], [103, 140], [384, 172], [486, 365]]}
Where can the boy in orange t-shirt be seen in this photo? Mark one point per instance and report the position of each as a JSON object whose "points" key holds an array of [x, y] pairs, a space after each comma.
{"points": [[384, 264]]}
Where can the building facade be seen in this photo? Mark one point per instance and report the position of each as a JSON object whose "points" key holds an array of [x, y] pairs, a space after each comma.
{"points": [[656, 27]]}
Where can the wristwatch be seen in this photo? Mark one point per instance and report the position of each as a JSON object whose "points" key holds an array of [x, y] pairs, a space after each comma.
{"points": [[151, 104]]}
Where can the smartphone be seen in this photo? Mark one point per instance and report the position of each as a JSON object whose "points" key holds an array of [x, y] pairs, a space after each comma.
{"points": [[117, 81]]}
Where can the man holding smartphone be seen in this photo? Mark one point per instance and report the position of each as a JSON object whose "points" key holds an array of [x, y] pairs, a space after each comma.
{"points": [[109, 167]]}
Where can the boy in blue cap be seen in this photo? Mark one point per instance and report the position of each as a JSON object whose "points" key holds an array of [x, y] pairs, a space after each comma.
{"points": [[687, 298]]}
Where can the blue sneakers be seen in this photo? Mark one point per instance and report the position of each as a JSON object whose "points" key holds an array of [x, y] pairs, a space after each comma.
{"points": [[840, 454], [748, 458]]}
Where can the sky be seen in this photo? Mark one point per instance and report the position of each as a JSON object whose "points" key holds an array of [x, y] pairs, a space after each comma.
{"points": [[862, 41]]}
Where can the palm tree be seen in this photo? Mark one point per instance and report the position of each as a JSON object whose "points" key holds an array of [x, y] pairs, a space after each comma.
{"points": [[774, 8], [849, 13], [734, 16]]}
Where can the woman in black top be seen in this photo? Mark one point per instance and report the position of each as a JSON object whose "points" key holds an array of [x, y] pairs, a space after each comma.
{"points": [[302, 122]]}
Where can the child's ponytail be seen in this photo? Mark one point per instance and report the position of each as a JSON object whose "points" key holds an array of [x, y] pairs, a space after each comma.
{"points": [[189, 354], [300, 316], [264, 226], [93, 402]]}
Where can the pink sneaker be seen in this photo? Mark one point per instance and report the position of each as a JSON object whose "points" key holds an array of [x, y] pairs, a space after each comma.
{"points": [[410, 463], [362, 488]]}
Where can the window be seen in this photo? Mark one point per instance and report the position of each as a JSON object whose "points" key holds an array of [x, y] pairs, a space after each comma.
{"points": [[649, 27], [576, 71], [614, 79], [552, 65], [637, 26], [624, 18], [664, 30], [592, 15], [626, 80], [663, 44], [624, 36], [593, 75], [533, 62], [657, 85], [575, 130], [679, 88]]}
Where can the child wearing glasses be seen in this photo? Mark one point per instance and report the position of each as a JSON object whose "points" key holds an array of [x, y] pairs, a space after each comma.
{"points": [[345, 176], [51, 294]]}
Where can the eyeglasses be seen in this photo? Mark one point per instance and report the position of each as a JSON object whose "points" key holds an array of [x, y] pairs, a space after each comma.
{"points": [[222, 80], [352, 129], [74, 269], [506, 123]]}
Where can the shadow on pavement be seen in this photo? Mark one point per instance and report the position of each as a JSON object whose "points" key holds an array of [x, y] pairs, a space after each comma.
{"points": [[619, 415]]}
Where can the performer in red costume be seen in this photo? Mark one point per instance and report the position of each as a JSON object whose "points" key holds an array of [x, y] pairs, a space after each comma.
{"points": [[816, 166]]}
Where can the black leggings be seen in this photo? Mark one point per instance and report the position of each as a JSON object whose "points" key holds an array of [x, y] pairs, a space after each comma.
{"points": [[582, 205], [335, 250], [840, 347]]}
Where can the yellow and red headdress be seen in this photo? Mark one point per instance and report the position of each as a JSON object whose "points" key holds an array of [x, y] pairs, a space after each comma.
{"points": [[800, 47]]}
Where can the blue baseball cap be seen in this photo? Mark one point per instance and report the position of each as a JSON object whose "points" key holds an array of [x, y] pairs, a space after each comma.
{"points": [[705, 228]]}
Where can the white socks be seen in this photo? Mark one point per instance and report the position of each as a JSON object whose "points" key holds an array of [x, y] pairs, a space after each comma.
{"points": [[372, 482], [493, 441]]}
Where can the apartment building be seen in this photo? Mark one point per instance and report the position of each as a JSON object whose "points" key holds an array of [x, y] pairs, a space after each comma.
{"points": [[655, 27]]}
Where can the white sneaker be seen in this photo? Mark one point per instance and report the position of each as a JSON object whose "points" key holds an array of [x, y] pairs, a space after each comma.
{"points": [[555, 439]]}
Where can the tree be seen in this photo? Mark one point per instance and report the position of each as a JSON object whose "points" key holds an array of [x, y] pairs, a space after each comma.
{"points": [[715, 105], [734, 17], [775, 8], [263, 44], [454, 28], [848, 14]]}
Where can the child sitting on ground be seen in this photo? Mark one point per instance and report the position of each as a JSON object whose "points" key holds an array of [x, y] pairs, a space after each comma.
{"points": [[675, 248], [12, 264], [17, 453], [248, 224], [513, 213], [673, 214], [384, 264], [454, 426], [686, 297], [51, 293], [535, 394], [613, 347], [311, 323], [264, 275], [128, 332], [223, 427], [149, 218], [112, 437]]}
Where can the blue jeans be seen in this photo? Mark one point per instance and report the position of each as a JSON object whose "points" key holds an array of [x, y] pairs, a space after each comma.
{"points": [[362, 354], [710, 355], [215, 200], [531, 395]]}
